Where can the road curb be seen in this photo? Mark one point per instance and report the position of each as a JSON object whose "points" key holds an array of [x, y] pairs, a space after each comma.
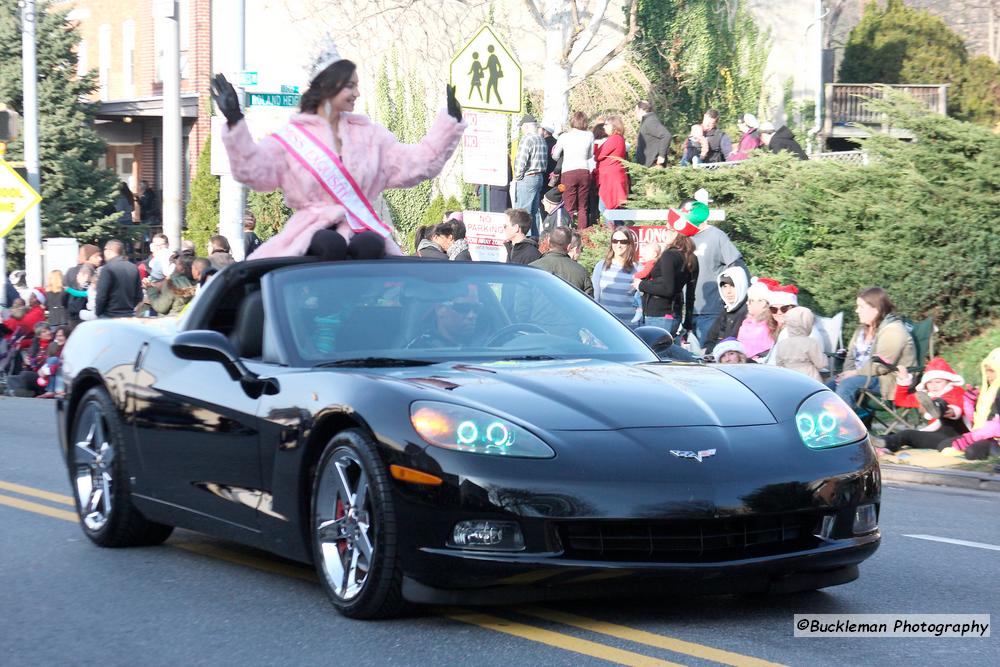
{"points": [[963, 479]]}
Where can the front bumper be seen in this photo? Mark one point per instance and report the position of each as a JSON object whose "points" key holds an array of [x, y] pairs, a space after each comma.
{"points": [[816, 494], [449, 577]]}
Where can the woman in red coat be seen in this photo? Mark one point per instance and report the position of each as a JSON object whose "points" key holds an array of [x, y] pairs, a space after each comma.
{"points": [[611, 177]]}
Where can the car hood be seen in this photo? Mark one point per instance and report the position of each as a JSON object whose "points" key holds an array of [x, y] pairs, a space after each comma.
{"points": [[593, 394]]}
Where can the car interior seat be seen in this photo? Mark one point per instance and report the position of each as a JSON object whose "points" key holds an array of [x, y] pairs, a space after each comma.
{"points": [[247, 335]]}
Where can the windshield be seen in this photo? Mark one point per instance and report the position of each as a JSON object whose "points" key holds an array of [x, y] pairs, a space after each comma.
{"points": [[436, 311]]}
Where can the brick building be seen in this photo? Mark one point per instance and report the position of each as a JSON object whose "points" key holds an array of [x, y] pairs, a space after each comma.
{"points": [[121, 43]]}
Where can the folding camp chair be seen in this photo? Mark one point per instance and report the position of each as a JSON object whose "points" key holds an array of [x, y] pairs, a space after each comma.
{"points": [[885, 413], [831, 330]]}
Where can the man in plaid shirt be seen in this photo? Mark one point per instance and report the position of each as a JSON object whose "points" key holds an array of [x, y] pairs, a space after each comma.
{"points": [[529, 170]]}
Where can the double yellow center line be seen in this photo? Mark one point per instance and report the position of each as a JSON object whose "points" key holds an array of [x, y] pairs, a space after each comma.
{"points": [[532, 633]]}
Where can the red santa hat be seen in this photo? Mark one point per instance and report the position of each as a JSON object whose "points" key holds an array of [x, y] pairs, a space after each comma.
{"points": [[760, 288], [938, 369], [785, 295], [39, 294]]}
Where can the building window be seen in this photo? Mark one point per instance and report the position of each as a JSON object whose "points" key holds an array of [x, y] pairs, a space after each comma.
{"points": [[128, 58], [104, 61]]}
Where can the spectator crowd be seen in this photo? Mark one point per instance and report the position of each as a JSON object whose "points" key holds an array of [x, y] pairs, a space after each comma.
{"points": [[694, 283]]}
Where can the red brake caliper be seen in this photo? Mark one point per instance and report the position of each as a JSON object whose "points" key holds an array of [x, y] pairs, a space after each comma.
{"points": [[339, 514]]}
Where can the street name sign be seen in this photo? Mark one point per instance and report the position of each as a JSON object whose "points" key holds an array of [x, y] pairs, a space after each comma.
{"points": [[486, 75], [484, 149], [246, 78], [16, 198], [272, 99]]}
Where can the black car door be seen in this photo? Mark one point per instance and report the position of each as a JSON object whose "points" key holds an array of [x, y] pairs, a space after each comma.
{"points": [[197, 436]]}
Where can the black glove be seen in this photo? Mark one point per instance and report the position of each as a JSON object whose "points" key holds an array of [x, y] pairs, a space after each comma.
{"points": [[226, 98], [454, 108]]}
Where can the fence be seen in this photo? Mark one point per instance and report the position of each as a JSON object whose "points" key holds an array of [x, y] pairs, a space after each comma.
{"points": [[850, 157]]}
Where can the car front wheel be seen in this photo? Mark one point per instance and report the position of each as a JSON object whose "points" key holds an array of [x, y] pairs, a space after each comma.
{"points": [[354, 529], [99, 476]]}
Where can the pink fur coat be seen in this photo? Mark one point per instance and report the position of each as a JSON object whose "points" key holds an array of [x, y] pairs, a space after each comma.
{"points": [[369, 151]]}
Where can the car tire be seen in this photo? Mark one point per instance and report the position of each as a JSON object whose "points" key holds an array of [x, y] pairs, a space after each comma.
{"points": [[99, 476], [354, 538]]}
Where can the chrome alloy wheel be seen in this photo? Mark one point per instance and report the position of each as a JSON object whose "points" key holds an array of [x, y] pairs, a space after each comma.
{"points": [[344, 530], [94, 456]]}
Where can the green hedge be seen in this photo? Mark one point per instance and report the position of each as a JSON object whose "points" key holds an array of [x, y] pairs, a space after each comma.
{"points": [[919, 220]]}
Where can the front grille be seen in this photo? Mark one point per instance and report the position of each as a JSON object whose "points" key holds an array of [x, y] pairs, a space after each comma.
{"points": [[690, 541]]}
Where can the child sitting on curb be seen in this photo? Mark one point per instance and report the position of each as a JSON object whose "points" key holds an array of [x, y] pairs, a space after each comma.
{"points": [[798, 351], [940, 396], [983, 440]]}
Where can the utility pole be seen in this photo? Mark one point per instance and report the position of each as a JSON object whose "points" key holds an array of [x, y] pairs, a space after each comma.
{"points": [[232, 194], [32, 221], [166, 11]]}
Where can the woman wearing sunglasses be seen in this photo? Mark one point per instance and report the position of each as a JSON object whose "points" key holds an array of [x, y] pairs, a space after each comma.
{"points": [[613, 275]]}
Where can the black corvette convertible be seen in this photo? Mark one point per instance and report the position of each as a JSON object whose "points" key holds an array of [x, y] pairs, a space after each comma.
{"points": [[438, 432]]}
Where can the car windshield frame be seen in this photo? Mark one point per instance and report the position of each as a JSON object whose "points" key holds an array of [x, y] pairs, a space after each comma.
{"points": [[622, 345]]}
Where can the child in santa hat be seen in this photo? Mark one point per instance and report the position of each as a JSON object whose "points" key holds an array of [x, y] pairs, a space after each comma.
{"points": [[759, 329], [940, 396]]}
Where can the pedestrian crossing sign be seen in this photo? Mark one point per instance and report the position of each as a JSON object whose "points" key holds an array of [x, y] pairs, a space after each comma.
{"points": [[485, 75], [16, 198]]}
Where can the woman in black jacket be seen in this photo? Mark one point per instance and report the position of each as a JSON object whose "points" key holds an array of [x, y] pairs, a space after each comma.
{"points": [[668, 291]]}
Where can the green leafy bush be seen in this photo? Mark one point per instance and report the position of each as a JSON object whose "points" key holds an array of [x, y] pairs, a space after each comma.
{"points": [[203, 209], [919, 220], [270, 211]]}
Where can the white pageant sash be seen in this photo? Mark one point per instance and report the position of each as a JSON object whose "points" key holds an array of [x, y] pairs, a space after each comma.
{"points": [[317, 158]]}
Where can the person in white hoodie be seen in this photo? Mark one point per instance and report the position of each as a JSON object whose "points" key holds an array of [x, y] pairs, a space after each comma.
{"points": [[733, 284]]}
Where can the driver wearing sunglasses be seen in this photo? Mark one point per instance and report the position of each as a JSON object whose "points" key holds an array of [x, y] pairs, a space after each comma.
{"points": [[453, 324]]}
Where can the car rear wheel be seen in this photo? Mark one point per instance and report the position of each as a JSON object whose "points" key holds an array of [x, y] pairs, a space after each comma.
{"points": [[354, 529], [100, 479]]}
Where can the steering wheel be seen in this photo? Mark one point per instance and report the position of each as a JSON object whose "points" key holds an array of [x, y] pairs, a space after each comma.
{"points": [[516, 328]]}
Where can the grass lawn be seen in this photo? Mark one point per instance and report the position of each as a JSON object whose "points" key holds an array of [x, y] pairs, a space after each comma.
{"points": [[966, 357]]}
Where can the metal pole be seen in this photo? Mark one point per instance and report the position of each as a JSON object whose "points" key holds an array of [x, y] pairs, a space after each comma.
{"points": [[232, 194], [173, 168], [32, 221], [3, 272]]}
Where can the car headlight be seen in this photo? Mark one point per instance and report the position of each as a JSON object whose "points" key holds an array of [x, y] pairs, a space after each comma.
{"points": [[469, 430], [824, 420]]}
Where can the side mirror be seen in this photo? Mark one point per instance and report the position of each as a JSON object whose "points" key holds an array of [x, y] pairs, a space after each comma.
{"points": [[656, 338], [213, 346]]}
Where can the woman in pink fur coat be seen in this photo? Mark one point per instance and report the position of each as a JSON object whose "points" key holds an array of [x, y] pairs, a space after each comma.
{"points": [[375, 159]]}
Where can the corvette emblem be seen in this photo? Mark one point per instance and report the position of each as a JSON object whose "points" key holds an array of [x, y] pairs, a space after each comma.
{"points": [[697, 456]]}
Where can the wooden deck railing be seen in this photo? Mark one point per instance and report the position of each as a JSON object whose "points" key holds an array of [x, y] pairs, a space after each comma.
{"points": [[846, 103]]}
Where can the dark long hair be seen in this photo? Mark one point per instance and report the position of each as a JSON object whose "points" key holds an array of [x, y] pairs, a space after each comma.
{"points": [[327, 83], [877, 298], [685, 246], [633, 250]]}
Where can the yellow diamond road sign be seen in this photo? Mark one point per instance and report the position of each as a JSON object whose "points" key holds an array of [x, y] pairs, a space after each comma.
{"points": [[485, 75], [16, 198]]}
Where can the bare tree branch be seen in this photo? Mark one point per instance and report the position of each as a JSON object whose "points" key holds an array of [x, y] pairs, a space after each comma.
{"points": [[633, 30], [588, 33], [535, 13]]}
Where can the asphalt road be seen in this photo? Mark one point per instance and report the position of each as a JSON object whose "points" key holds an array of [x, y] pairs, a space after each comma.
{"points": [[198, 600]]}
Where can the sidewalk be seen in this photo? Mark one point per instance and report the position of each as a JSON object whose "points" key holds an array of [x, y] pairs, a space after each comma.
{"points": [[926, 466]]}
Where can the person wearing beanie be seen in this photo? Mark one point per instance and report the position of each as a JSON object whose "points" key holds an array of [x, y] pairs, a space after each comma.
{"points": [[796, 350], [939, 396], [555, 210], [731, 351], [759, 329], [749, 140], [733, 289]]}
